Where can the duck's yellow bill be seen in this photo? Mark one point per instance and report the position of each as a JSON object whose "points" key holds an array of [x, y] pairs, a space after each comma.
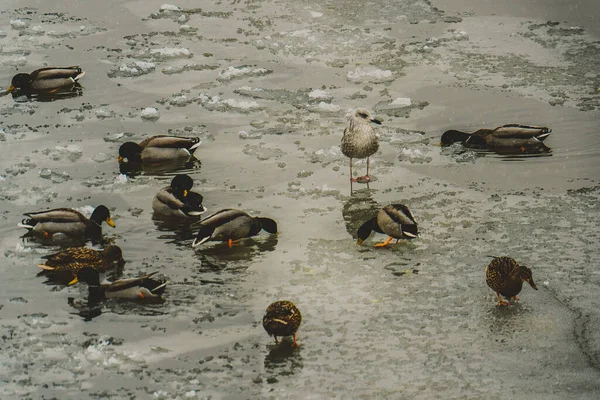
{"points": [[10, 88], [110, 222], [185, 192], [119, 159], [74, 281]]}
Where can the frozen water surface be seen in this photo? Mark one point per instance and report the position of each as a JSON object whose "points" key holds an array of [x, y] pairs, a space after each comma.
{"points": [[267, 85]]}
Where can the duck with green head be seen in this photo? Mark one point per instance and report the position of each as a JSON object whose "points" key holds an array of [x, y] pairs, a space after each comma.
{"points": [[512, 136], [394, 220], [68, 222], [49, 79], [143, 287], [230, 225], [177, 200], [158, 149]]}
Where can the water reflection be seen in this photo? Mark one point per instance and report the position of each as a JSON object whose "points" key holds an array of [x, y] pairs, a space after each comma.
{"points": [[237, 258], [283, 359], [357, 209], [508, 321]]}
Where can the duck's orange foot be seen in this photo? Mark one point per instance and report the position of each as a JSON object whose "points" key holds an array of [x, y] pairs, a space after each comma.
{"points": [[47, 235], [232, 242], [514, 298], [295, 343], [384, 244], [503, 303]]}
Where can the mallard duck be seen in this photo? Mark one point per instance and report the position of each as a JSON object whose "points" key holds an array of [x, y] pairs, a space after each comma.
{"points": [[65, 264], [47, 79], [505, 276], [157, 149], [282, 318], [67, 221], [143, 287], [230, 225], [177, 200], [395, 220], [508, 136], [360, 140]]}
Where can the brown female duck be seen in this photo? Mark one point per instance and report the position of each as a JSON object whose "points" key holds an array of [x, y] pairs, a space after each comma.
{"points": [[505, 277]]}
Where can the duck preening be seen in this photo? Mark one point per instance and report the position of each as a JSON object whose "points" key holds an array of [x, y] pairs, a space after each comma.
{"points": [[394, 220], [177, 200], [143, 287], [505, 277], [282, 318]]}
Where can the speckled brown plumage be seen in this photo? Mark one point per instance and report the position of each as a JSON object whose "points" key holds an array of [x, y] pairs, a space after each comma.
{"points": [[505, 277], [360, 139], [282, 318], [65, 264]]}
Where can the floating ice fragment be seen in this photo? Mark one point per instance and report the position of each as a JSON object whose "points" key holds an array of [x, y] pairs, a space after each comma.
{"points": [[121, 179], [319, 95], [240, 72], [15, 61], [101, 157], [316, 14], [103, 114], [132, 69], [245, 105], [370, 74], [19, 24], [187, 28], [167, 53], [169, 7], [251, 135], [402, 101], [180, 101], [326, 107], [150, 114], [160, 395], [183, 19]]}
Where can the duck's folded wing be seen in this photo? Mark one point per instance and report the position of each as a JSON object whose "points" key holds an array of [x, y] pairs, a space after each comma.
{"points": [[57, 73], [521, 131], [57, 215], [171, 142], [167, 198]]}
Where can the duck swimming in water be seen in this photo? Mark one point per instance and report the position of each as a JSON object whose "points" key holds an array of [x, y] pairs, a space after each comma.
{"points": [[512, 136], [177, 200], [49, 79], [231, 225]]}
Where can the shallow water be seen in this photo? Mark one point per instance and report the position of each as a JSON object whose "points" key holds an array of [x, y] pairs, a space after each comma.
{"points": [[266, 85]]}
